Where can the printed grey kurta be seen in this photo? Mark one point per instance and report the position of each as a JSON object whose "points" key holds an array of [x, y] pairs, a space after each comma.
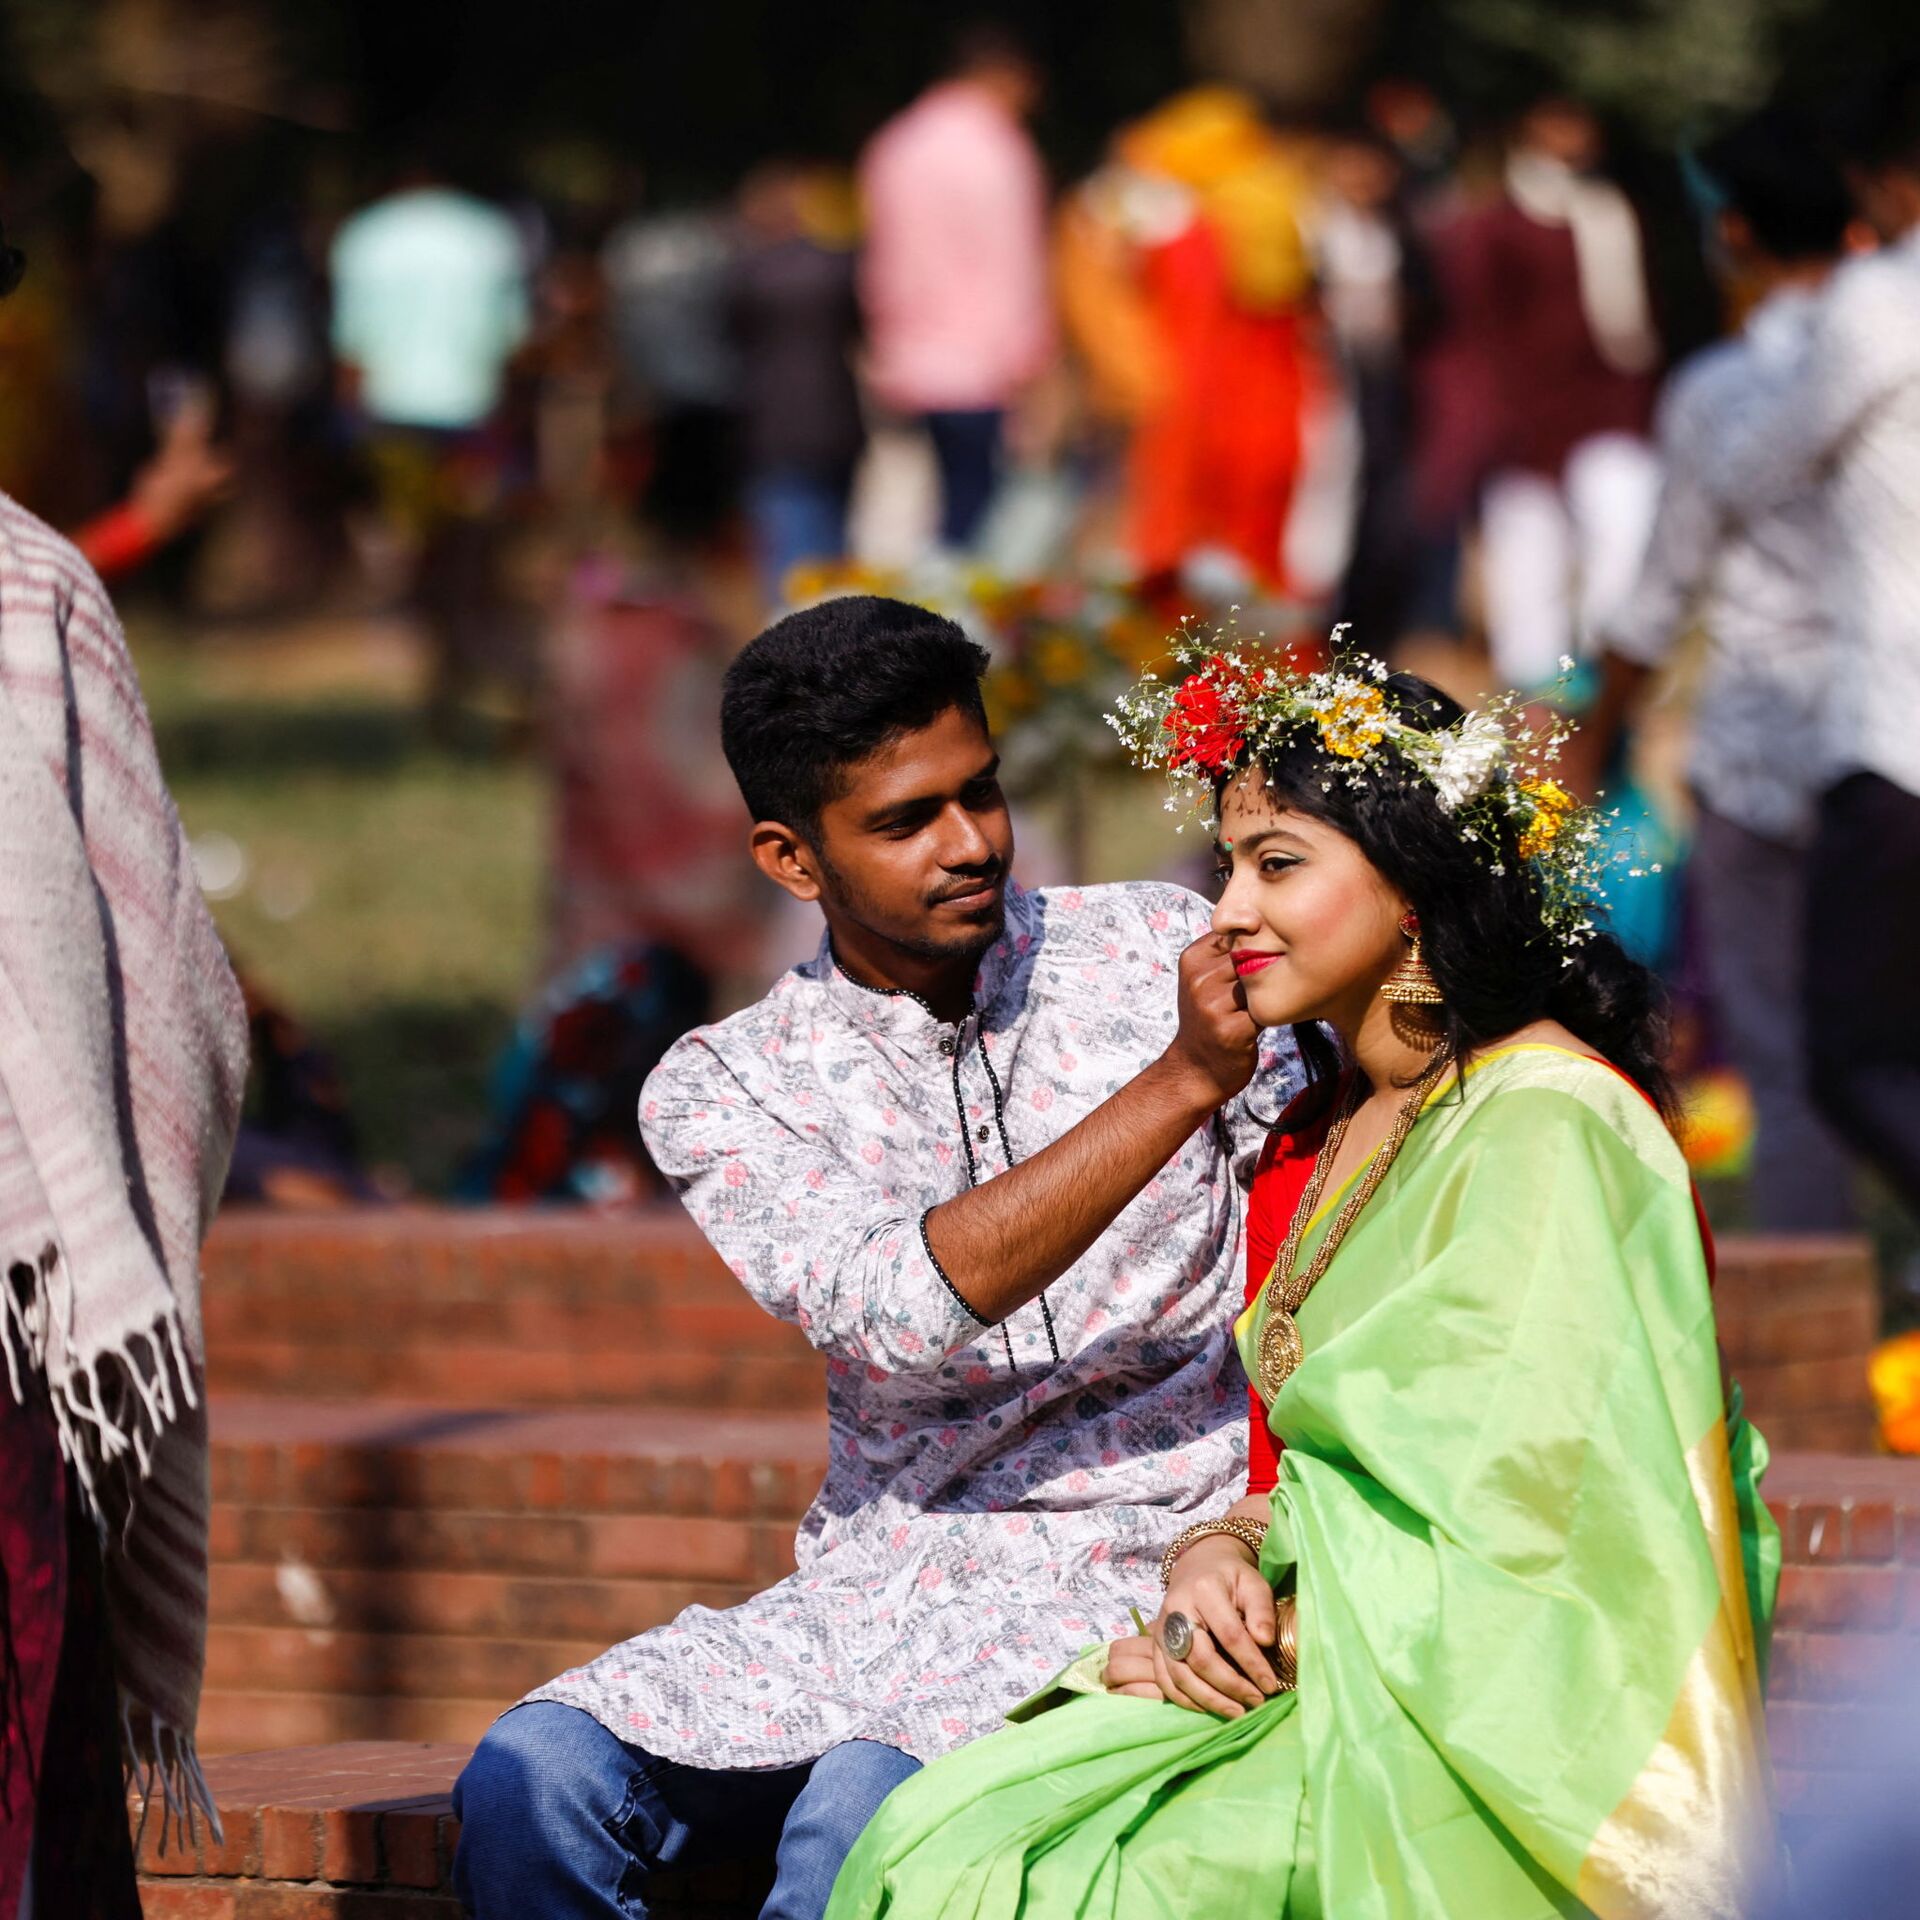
{"points": [[978, 1523]]}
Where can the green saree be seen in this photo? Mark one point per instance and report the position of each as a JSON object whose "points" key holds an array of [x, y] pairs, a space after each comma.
{"points": [[1534, 1580]]}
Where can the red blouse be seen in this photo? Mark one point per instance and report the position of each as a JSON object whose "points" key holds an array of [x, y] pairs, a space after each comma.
{"points": [[1279, 1179]]}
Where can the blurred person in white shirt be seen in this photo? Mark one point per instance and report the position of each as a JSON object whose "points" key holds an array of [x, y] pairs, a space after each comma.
{"points": [[1756, 585], [1851, 427]]}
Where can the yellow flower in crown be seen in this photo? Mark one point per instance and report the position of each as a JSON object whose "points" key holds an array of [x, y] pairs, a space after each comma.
{"points": [[1354, 720], [1551, 805]]}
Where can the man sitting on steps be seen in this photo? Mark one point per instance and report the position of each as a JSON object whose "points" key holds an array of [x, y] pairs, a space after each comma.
{"points": [[987, 1148]]}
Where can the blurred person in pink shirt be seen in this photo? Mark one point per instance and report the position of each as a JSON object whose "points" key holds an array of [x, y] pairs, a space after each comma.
{"points": [[954, 281]]}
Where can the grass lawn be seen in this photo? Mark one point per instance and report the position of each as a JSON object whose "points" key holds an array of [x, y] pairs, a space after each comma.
{"points": [[386, 891]]}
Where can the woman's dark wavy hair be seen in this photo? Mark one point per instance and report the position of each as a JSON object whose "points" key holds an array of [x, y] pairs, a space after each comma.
{"points": [[1481, 932]]}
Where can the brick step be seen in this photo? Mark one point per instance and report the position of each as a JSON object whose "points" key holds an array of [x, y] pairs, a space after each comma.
{"points": [[398, 1456], [318, 1832], [409, 1666], [399, 1571], [414, 1599], [358, 1830], [248, 1720], [492, 1307]]}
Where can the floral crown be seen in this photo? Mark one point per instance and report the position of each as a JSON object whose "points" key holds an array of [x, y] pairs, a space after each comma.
{"points": [[1489, 770]]}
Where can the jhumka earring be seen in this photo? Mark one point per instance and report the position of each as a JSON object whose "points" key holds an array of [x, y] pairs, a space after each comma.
{"points": [[1411, 984]]}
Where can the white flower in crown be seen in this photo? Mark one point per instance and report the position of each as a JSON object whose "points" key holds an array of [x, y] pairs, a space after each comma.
{"points": [[1465, 759]]}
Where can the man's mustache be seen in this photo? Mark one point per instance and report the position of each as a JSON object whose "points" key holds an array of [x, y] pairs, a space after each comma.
{"points": [[987, 876]]}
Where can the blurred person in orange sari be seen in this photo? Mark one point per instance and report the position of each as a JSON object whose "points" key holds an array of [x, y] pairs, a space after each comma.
{"points": [[1185, 286]]}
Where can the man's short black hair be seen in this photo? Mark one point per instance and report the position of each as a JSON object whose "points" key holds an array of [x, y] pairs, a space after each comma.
{"points": [[1785, 183], [829, 685]]}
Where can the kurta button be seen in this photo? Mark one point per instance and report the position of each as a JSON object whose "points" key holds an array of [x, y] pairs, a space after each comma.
{"points": [[947, 1044], [980, 1132]]}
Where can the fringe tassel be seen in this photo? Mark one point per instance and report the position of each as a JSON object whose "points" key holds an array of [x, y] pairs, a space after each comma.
{"points": [[93, 1434], [168, 1758], [92, 1440]]}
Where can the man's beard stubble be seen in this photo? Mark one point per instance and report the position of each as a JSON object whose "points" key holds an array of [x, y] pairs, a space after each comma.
{"points": [[967, 943]]}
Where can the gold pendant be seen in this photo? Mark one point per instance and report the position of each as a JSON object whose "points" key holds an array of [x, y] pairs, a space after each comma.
{"points": [[1280, 1352]]}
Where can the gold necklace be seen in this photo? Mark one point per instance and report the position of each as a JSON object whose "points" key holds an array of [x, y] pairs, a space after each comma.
{"points": [[1281, 1349]]}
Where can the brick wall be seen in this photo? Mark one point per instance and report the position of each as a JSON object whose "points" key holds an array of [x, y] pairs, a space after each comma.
{"points": [[492, 1307], [455, 1452], [518, 1309], [1849, 1615], [1798, 1319], [395, 1568]]}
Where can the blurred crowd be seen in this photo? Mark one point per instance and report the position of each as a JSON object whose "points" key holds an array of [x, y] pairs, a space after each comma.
{"points": [[1431, 374], [1298, 361]]}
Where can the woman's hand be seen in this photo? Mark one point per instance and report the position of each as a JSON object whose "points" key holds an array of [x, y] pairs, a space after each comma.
{"points": [[1217, 1585], [1130, 1667]]}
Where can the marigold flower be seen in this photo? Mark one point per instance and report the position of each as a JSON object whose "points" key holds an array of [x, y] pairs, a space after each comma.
{"points": [[1551, 805], [1355, 721]]}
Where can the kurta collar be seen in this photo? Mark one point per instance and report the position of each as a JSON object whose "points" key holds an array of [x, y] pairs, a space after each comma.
{"points": [[999, 987]]}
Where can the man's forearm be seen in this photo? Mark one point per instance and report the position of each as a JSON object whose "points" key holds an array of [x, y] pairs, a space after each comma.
{"points": [[1001, 1243]]}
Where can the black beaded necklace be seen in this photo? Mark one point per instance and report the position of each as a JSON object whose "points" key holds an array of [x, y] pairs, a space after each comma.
{"points": [[950, 1045]]}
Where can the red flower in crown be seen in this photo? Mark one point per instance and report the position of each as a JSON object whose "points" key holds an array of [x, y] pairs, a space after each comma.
{"points": [[1207, 723]]}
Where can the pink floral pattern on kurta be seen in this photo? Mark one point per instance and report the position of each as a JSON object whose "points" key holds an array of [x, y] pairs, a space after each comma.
{"points": [[976, 1527]]}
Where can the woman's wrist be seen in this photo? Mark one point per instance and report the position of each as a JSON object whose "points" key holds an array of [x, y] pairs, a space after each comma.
{"points": [[1244, 1535], [1221, 1556], [1217, 1546]]}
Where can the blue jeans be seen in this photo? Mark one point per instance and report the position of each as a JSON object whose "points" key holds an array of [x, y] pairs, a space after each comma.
{"points": [[797, 514], [966, 449], [560, 1820]]}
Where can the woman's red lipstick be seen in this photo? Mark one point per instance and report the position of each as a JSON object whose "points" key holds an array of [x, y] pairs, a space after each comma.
{"points": [[1247, 961]]}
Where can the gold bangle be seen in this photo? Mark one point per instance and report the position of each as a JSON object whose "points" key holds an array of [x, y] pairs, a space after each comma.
{"points": [[1250, 1533], [1286, 1640]]}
